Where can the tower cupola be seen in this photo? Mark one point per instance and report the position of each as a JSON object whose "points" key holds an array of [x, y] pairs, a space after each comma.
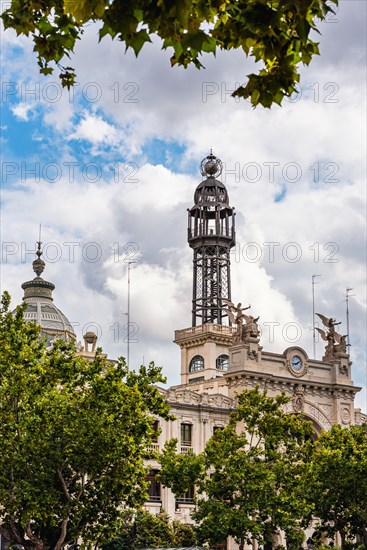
{"points": [[40, 307], [211, 234]]}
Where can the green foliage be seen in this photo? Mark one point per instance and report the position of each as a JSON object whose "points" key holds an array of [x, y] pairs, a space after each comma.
{"points": [[337, 483], [179, 471], [74, 436], [249, 477], [275, 32], [153, 531], [185, 535]]}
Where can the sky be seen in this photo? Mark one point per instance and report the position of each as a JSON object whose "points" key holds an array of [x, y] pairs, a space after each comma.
{"points": [[110, 168]]}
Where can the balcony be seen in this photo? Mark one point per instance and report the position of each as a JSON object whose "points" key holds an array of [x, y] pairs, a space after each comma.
{"points": [[186, 449], [153, 448], [184, 500], [207, 327], [155, 498], [187, 498]]}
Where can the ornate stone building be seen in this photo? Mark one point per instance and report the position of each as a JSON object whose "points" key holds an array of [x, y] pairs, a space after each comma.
{"points": [[219, 359], [221, 353]]}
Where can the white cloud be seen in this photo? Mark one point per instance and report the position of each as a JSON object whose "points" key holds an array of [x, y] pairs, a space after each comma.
{"points": [[262, 150], [94, 129], [21, 111]]}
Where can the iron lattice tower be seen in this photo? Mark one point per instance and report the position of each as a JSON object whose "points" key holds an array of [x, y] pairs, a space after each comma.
{"points": [[211, 234]]}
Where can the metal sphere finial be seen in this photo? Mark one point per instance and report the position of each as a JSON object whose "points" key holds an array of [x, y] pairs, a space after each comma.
{"points": [[38, 264], [211, 166]]}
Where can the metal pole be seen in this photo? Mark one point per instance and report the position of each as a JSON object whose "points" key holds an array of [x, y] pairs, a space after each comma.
{"points": [[128, 313], [128, 309], [313, 314]]}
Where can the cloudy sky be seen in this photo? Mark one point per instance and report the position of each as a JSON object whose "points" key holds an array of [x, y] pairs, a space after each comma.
{"points": [[110, 168]]}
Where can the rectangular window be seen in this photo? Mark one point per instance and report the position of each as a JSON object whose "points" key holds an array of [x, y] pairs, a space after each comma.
{"points": [[156, 430], [186, 498], [197, 379], [186, 435], [154, 487]]}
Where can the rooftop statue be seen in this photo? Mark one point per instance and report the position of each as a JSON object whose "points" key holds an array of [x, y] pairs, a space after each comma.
{"points": [[336, 343], [246, 324], [251, 329], [236, 315]]}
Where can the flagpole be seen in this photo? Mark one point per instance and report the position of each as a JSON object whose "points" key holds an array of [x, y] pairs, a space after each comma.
{"points": [[313, 314]]}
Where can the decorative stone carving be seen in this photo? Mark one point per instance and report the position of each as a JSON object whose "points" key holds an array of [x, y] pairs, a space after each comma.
{"points": [[345, 415], [298, 398], [341, 347], [204, 417], [336, 343], [79, 346], [250, 329], [252, 354], [236, 315], [188, 397], [90, 341], [326, 408], [343, 370], [317, 415]]}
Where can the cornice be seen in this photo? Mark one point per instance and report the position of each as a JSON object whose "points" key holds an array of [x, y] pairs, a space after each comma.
{"points": [[279, 383]]}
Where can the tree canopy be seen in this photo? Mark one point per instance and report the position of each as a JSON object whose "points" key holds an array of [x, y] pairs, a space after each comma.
{"points": [[250, 476], [274, 32], [153, 531], [74, 436], [337, 483]]}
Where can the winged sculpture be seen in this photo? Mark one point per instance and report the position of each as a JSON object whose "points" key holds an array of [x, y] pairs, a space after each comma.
{"points": [[251, 328], [336, 343], [328, 322], [246, 324], [235, 311], [324, 336]]}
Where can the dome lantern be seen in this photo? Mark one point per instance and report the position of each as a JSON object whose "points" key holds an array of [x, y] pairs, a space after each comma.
{"points": [[40, 307]]}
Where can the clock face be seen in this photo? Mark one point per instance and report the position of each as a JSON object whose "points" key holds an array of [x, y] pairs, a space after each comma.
{"points": [[296, 363]]}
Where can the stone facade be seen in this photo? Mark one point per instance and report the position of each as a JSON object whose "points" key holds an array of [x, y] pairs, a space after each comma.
{"points": [[197, 415], [322, 390], [221, 354]]}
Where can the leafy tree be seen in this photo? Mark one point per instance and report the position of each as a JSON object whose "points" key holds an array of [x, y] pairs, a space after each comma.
{"points": [[153, 531], [337, 483], [185, 535], [74, 436], [276, 32], [249, 477]]}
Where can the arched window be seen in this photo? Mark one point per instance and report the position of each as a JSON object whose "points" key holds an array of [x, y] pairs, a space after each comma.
{"points": [[196, 363], [222, 362]]}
